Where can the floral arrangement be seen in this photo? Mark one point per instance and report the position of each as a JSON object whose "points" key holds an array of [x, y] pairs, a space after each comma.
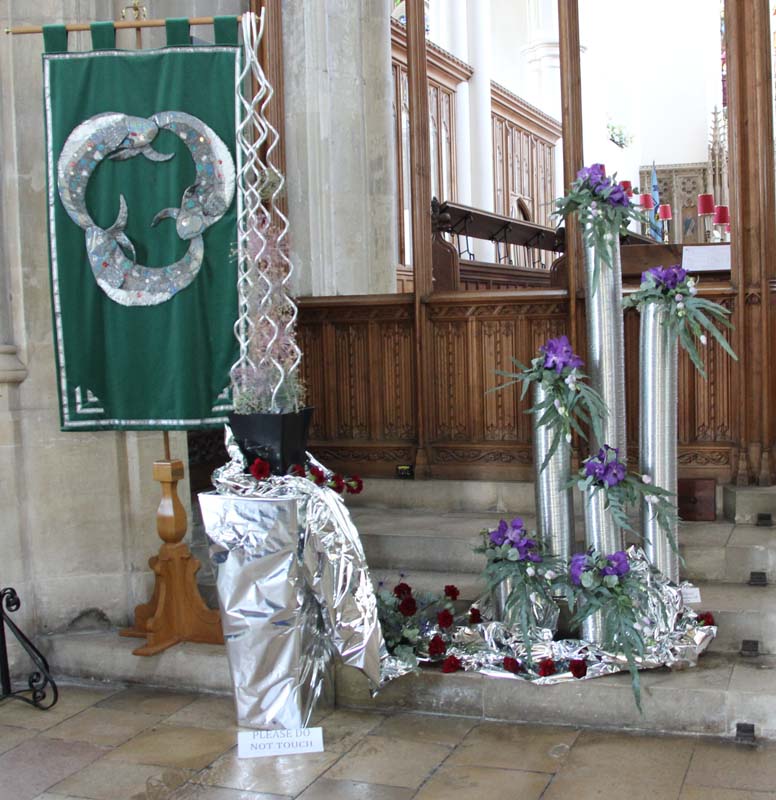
{"points": [[353, 484], [706, 618], [604, 210], [513, 554], [688, 314], [407, 619], [547, 667], [569, 399], [605, 583], [604, 472]]}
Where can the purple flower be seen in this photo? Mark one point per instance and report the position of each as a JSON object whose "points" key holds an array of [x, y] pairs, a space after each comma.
{"points": [[605, 467], [618, 197], [579, 564], [595, 177], [617, 564], [666, 277], [499, 536], [558, 355]]}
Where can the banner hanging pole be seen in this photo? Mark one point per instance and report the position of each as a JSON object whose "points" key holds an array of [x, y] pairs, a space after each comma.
{"points": [[133, 23]]}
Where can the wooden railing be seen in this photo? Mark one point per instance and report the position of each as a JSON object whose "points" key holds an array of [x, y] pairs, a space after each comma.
{"points": [[358, 367]]}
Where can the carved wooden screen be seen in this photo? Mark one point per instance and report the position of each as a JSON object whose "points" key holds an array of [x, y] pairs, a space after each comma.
{"points": [[441, 101]]}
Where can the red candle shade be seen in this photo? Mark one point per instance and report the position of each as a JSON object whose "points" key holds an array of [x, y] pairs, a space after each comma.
{"points": [[705, 204], [646, 201], [628, 187], [721, 215], [664, 211], [727, 228]]}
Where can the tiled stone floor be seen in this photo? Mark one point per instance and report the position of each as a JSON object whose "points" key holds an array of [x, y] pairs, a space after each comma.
{"points": [[141, 744]]}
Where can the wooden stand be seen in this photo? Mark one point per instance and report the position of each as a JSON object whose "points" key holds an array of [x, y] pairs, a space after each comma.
{"points": [[176, 611]]}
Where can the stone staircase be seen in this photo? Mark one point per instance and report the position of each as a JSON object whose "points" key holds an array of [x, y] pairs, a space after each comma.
{"points": [[426, 530]]}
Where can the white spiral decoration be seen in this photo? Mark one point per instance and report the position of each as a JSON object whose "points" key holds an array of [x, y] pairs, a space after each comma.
{"points": [[261, 290]]}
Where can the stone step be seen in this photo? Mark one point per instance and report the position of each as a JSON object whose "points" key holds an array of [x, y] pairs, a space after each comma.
{"points": [[710, 699], [744, 503], [411, 539]]}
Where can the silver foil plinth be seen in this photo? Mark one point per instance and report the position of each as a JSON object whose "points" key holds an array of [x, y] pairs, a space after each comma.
{"points": [[294, 590], [659, 402], [554, 501], [605, 536], [269, 630], [605, 340]]}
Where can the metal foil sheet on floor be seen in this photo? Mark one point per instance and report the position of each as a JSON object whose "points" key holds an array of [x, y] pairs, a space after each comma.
{"points": [[671, 630]]}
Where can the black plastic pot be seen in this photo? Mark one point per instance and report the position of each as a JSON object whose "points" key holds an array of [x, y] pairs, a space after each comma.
{"points": [[280, 439]]}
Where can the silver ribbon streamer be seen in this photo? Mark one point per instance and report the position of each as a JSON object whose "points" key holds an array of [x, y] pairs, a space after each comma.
{"points": [[658, 403], [294, 589], [554, 502], [605, 341]]}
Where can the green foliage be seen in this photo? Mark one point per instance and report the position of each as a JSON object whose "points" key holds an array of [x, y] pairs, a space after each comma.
{"points": [[570, 401], [689, 316]]}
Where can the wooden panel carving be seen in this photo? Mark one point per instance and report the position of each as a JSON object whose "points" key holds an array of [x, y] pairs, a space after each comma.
{"points": [[359, 372]]}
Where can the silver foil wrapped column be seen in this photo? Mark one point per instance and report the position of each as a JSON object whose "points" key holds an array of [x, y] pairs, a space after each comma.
{"points": [[659, 397], [606, 365], [554, 502], [600, 530], [606, 341]]}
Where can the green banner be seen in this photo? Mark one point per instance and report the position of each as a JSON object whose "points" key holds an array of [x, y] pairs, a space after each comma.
{"points": [[142, 228]]}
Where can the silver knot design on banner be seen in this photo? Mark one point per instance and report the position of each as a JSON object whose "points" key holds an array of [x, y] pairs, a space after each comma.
{"points": [[111, 254]]}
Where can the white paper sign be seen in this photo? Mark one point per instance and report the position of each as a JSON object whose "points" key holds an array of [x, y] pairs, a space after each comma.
{"points": [[712, 258], [257, 744], [691, 594]]}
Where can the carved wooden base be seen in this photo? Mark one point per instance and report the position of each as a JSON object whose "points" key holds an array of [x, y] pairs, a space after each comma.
{"points": [[176, 612]]}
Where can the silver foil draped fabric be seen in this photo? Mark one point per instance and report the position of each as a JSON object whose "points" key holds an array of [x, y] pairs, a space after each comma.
{"points": [[658, 403], [294, 589], [601, 533], [554, 502], [544, 614], [605, 340], [671, 633]]}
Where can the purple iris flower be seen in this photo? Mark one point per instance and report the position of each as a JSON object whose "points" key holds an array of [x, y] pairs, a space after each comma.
{"points": [[595, 177], [558, 355], [617, 564], [577, 567], [605, 467]]}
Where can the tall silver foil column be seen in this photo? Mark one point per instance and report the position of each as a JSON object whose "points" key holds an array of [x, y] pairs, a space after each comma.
{"points": [[606, 367], [659, 369], [554, 502]]}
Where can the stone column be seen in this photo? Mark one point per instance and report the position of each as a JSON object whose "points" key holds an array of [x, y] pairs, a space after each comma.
{"points": [[481, 129], [339, 146], [459, 47]]}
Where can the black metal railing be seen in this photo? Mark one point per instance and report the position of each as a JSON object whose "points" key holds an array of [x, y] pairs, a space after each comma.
{"points": [[39, 682]]}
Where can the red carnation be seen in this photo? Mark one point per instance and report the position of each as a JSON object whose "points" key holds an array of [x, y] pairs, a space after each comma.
{"points": [[408, 606], [354, 484], [546, 667], [445, 619], [706, 618], [578, 667], [402, 590], [451, 664], [437, 646], [317, 475], [451, 591], [260, 469], [474, 615], [512, 665], [298, 471], [337, 482]]}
